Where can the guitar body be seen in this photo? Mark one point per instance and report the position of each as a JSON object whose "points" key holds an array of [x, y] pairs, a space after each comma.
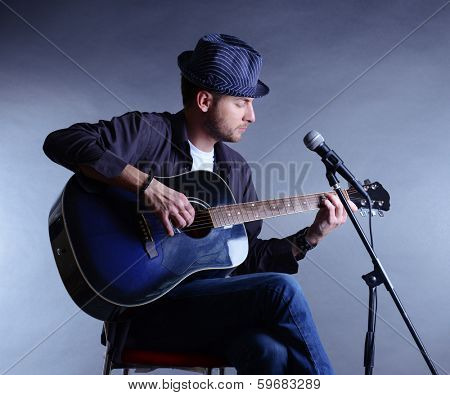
{"points": [[110, 255]]}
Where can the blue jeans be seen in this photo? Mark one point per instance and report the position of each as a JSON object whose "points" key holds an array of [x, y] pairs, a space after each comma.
{"points": [[260, 323]]}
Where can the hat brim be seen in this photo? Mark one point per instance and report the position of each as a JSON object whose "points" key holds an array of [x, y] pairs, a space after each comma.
{"points": [[260, 90]]}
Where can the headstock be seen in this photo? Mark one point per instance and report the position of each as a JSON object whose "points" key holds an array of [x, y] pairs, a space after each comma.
{"points": [[379, 196]]}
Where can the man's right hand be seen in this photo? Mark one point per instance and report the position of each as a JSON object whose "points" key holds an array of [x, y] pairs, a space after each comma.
{"points": [[169, 205], [166, 203]]}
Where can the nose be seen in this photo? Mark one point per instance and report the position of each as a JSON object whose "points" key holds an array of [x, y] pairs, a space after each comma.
{"points": [[249, 115]]}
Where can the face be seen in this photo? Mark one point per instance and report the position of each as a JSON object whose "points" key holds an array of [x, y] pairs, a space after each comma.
{"points": [[228, 118]]}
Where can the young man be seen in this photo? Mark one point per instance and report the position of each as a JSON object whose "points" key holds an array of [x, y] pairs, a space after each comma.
{"points": [[257, 316]]}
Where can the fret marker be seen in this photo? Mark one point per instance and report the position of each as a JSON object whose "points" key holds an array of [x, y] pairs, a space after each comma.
{"points": [[253, 205], [229, 214], [238, 212]]}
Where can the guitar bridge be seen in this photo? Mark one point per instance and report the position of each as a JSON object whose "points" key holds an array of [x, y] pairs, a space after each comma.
{"points": [[146, 237]]}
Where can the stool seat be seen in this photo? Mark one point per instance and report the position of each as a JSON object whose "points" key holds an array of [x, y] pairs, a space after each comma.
{"points": [[120, 356], [168, 359]]}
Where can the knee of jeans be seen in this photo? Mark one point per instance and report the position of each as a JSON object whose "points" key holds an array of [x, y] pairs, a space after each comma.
{"points": [[287, 284]]}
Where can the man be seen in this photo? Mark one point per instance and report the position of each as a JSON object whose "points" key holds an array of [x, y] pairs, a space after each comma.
{"points": [[257, 317]]}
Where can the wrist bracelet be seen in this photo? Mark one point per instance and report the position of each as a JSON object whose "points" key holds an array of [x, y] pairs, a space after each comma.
{"points": [[146, 183]]}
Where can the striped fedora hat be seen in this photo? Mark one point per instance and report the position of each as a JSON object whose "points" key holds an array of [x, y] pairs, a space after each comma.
{"points": [[224, 64]]}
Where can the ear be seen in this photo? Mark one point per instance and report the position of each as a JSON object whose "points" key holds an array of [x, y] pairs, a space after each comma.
{"points": [[204, 100]]}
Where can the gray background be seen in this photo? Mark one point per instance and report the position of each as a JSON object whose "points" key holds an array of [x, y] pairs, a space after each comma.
{"points": [[391, 125]]}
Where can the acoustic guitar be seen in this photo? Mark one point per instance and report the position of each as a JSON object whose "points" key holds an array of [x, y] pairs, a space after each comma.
{"points": [[112, 255]]}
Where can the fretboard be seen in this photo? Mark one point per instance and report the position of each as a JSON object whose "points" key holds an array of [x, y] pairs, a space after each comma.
{"points": [[252, 211]]}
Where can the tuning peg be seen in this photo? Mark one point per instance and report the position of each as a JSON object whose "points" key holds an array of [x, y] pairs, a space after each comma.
{"points": [[380, 213], [367, 181], [362, 212]]}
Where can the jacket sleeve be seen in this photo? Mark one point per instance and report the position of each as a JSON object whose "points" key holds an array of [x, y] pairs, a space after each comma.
{"points": [[106, 146], [273, 255]]}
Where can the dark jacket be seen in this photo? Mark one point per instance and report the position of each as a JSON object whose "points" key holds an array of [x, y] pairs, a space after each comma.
{"points": [[159, 141]]}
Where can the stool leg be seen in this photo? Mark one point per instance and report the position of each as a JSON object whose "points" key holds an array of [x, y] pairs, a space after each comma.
{"points": [[222, 371], [108, 364], [126, 371], [209, 370]]}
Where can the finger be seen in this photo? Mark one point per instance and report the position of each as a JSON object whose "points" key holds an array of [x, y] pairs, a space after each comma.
{"points": [[353, 206], [190, 210], [344, 217], [339, 207], [331, 215], [333, 199], [187, 217], [178, 220], [185, 209], [330, 195], [340, 212], [167, 225], [183, 201]]}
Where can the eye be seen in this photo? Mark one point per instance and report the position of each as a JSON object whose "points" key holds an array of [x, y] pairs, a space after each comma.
{"points": [[240, 104]]}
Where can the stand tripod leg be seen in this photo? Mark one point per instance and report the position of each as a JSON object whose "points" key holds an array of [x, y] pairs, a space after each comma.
{"points": [[373, 281], [369, 349]]}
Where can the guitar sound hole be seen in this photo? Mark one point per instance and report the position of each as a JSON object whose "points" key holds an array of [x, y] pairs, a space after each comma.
{"points": [[197, 232], [201, 226]]}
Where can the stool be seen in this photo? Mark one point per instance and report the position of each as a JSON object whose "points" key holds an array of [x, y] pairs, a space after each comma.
{"points": [[114, 336]]}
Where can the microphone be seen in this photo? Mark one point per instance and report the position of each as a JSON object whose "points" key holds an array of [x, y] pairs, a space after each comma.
{"points": [[315, 142]]}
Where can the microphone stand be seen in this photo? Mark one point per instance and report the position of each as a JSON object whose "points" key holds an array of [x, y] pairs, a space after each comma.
{"points": [[373, 279]]}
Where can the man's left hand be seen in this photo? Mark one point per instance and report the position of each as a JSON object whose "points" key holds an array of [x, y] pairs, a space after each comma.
{"points": [[331, 215]]}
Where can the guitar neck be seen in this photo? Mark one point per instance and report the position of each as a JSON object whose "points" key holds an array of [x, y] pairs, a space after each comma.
{"points": [[240, 213]]}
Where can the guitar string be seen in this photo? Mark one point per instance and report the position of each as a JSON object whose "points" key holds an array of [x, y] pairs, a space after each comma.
{"points": [[207, 224], [206, 214], [204, 219], [210, 225], [273, 201]]}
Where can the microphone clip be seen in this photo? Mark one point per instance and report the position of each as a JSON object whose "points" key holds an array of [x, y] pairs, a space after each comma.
{"points": [[332, 161]]}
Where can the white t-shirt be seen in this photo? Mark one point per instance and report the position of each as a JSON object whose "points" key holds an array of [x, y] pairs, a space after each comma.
{"points": [[201, 160]]}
